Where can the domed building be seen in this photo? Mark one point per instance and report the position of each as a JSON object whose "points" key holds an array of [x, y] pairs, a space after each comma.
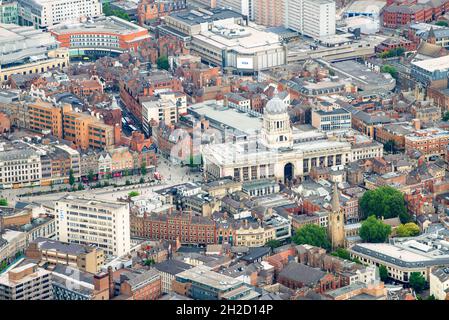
{"points": [[277, 151], [276, 129]]}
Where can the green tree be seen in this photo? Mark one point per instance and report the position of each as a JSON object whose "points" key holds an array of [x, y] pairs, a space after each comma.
{"points": [[389, 146], [162, 63], [71, 178], [133, 194], [374, 230], [409, 229], [149, 262], [446, 116], [431, 297], [442, 24], [3, 202], [312, 234], [273, 244], [90, 176], [417, 281], [389, 69], [127, 182], [107, 11], [383, 273], [143, 168], [141, 180], [80, 186], [342, 253], [384, 202]]}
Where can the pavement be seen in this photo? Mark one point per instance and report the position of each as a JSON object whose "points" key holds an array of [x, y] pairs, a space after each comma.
{"points": [[171, 175]]}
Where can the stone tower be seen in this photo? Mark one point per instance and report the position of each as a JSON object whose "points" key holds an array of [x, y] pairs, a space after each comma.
{"points": [[276, 128], [336, 231]]}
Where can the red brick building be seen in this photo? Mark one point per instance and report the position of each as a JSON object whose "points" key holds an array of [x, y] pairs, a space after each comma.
{"points": [[134, 87], [188, 228], [149, 11], [403, 12]]}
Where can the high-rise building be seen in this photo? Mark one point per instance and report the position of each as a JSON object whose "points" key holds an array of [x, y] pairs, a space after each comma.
{"points": [[313, 18], [103, 224], [46, 13], [269, 12]]}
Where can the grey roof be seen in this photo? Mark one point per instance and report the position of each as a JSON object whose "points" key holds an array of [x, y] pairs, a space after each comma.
{"points": [[172, 267], [256, 253], [302, 273], [217, 14], [63, 247], [442, 274], [139, 278]]}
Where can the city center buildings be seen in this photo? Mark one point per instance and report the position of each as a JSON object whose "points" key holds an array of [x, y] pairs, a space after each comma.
{"points": [[100, 223]]}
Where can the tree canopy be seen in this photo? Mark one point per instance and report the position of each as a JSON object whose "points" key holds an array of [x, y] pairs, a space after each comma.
{"points": [[409, 229], [133, 194], [374, 230], [312, 234], [3, 202], [162, 63], [392, 53], [383, 273], [107, 11], [389, 69], [417, 281], [446, 116], [442, 24], [273, 243], [384, 202], [71, 178]]}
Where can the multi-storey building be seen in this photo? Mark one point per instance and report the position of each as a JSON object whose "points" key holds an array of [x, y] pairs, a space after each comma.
{"points": [[186, 227], [11, 243], [414, 11], [430, 142], [269, 13], [200, 283], [9, 12], [46, 118], [167, 108], [20, 167], [253, 235], [439, 283], [221, 38], [141, 285], [83, 257], [46, 13], [168, 271], [313, 18], [336, 119], [100, 36], [103, 224], [39, 51], [149, 11], [27, 282]]}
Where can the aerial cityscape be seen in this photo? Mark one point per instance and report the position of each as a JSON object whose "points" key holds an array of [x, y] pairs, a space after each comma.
{"points": [[224, 150]]}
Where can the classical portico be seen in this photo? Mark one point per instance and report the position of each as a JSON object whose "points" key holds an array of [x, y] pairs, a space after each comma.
{"points": [[277, 151]]}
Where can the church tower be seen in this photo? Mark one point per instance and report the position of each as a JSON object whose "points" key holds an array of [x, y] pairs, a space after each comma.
{"points": [[336, 223], [276, 128]]}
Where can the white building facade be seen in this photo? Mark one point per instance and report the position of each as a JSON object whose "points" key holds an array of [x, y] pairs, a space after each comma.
{"points": [[313, 18], [103, 224], [46, 13]]}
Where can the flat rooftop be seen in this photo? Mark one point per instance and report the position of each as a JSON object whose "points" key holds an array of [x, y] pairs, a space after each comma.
{"points": [[101, 24], [210, 278], [198, 16], [218, 114], [431, 65]]}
